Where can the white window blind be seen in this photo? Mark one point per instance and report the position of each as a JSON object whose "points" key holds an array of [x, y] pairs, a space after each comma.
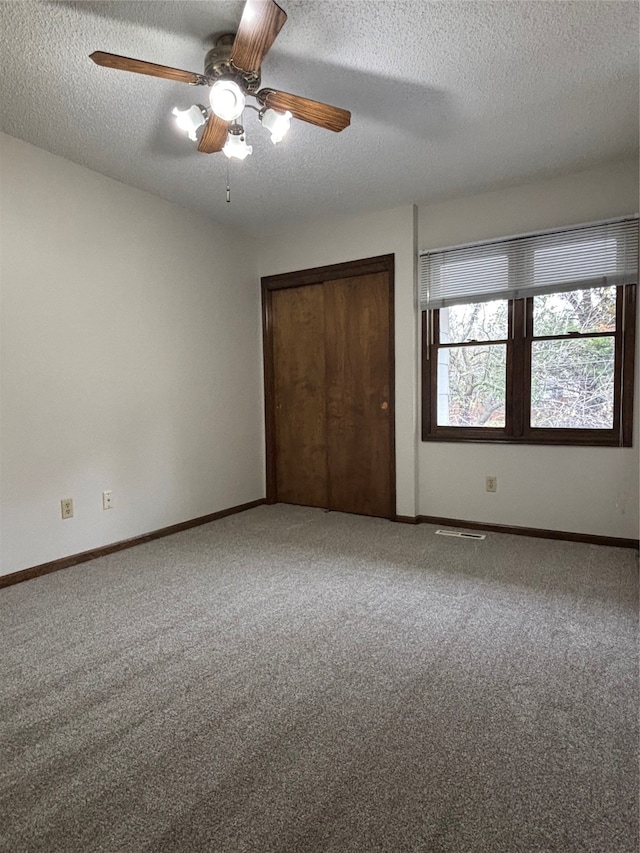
{"points": [[573, 259]]}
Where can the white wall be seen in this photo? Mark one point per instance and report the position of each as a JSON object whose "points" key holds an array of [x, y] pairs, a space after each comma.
{"points": [[131, 361], [323, 242], [576, 489]]}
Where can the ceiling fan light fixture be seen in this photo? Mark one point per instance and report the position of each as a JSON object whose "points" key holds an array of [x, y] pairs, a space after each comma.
{"points": [[276, 123], [227, 99], [190, 120], [236, 146], [232, 71]]}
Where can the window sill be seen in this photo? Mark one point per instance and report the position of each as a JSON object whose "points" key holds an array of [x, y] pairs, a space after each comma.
{"points": [[550, 439]]}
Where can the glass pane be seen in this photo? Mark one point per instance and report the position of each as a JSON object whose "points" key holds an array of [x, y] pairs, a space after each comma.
{"points": [[572, 383], [472, 386], [481, 321], [592, 310]]}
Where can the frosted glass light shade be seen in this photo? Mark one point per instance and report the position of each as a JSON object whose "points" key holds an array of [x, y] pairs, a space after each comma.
{"points": [[227, 99], [190, 120], [235, 146], [276, 123]]}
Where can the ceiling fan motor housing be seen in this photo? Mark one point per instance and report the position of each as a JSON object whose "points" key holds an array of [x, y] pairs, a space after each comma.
{"points": [[218, 65]]}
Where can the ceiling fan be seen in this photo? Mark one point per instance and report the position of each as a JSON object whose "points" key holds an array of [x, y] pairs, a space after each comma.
{"points": [[232, 70]]}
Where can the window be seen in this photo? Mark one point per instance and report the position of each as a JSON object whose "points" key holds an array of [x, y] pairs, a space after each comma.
{"points": [[532, 339]]}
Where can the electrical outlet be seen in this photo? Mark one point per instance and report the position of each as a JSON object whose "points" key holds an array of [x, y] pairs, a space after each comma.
{"points": [[66, 508], [491, 484], [107, 500]]}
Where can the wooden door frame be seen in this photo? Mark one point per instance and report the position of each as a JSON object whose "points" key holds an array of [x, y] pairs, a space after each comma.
{"points": [[318, 275]]}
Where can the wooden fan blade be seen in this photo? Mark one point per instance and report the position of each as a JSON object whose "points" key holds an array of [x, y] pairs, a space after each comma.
{"points": [[260, 24], [137, 66], [315, 112], [214, 135]]}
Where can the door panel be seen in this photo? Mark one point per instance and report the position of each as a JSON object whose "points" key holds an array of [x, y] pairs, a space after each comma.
{"points": [[299, 395], [329, 374], [357, 355]]}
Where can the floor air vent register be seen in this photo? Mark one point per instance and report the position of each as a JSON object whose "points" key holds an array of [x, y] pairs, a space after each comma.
{"points": [[460, 535]]}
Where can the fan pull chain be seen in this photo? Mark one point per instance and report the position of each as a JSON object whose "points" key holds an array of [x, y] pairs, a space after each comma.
{"points": [[228, 187]]}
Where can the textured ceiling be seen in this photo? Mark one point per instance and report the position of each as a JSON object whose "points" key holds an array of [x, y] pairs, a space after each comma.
{"points": [[447, 98]]}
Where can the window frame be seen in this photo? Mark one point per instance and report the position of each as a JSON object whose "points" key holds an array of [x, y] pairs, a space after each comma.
{"points": [[517, 429]]}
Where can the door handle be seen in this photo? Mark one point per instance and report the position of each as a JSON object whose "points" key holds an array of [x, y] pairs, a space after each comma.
{"points": [[384, 405]]}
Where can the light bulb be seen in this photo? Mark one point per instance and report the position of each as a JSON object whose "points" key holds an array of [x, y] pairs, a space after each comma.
{"points": [[276, 123], [227, 99], [235, 146], [190, 120]]}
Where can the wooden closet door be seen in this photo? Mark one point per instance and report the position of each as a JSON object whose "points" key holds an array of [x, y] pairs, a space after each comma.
{"points": [[358, 359], [299, 395], [329, 368]]}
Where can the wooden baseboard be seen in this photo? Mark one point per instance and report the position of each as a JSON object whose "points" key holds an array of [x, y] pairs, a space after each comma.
{"points": [[587, 538], [74, 559]]}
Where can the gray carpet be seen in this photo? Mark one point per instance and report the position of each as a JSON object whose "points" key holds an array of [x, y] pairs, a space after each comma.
{"points": [[294, 680]]}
